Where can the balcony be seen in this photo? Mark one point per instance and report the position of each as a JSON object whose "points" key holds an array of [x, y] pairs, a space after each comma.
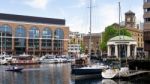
{"points": [[147, 36], [146, 5]]}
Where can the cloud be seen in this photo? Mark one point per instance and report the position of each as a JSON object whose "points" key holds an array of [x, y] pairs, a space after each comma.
{"points": [[40, 4]]}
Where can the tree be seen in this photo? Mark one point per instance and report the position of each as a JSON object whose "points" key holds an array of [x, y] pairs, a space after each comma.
{"points": [[82, 49], [110, 32]]}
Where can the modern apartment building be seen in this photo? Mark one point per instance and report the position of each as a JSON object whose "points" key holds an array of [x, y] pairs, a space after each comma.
{"points": [[146, 17]]}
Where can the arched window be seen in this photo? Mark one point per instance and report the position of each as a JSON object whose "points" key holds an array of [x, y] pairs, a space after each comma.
{"points": [[46, 39], [58, 42], [6, 29], [7, 37], [59, 34], [33, 40], [34, 32], [46, 33], [20, 31]]}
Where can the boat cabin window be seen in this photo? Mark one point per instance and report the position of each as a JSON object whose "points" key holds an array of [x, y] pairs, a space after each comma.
{"points": [[2, 58]]}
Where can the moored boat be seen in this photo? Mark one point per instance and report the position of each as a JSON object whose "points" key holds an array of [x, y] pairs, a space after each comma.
{"points": [[47, 59], [14, 69], [23, 59], [93, 69], [5, 58], [115, 73], [110, 73]]}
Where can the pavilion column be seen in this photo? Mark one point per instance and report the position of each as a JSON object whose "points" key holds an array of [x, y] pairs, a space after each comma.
{"points": [[135, 51], [108, 50], [116, 50], [128, 50]]}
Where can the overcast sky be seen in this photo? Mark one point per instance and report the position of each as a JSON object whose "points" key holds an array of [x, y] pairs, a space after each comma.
{"points": [[75, 12]]}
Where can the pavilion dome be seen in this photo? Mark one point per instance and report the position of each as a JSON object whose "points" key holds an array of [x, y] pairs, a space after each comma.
{"points": [[122, 38]]}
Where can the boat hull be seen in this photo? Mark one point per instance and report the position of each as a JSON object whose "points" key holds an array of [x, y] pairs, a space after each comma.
{"points": [[110, 73], [79, 71], [15, 70]]}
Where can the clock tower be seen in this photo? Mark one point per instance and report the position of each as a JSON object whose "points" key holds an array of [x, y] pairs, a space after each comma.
{"points": [[130, 19]]}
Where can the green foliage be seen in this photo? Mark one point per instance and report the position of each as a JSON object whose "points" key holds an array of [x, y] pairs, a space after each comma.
{"points": [[110, 32], [103, 46], [82, 49]]}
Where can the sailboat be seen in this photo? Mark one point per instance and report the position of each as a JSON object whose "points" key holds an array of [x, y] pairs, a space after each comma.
{"points": [[116, 72], [92, 69]]}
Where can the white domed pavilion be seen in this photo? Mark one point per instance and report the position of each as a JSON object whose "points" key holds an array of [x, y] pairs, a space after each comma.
{"points": [[123, 46]]}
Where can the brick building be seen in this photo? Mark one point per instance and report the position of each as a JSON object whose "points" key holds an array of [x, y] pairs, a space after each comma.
{"points": [[33, 35], [95, 41], [136, 32]]}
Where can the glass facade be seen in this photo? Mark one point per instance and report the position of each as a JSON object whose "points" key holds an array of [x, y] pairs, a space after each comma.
{"points": [[34, 41], [58, 41], [20, 39], [46, 40], [6, 38]]}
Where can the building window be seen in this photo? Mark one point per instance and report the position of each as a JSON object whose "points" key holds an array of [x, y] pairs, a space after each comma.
{"points": [[147, 1], [46, 38], [147, 10], [59, 39], [147, 19], [34, 37], [6, 28], [20, 35], [7, 33], [34, 32]]}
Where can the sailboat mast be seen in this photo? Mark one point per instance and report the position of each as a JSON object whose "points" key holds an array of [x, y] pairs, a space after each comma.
{"points": [[119, 17], [90, 27], [119, 38], [1, 42]]}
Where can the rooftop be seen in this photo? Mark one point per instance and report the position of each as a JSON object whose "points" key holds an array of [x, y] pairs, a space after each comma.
{"points": [[23, 18], [130, 12], [122, 38]]}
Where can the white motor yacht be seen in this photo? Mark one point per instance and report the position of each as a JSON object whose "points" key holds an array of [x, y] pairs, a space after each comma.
{"points": [[115, 73], [5, 59], [48, 59]]}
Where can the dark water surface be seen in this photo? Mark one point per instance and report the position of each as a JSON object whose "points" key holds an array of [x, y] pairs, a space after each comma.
{"points": [[57, 74]]}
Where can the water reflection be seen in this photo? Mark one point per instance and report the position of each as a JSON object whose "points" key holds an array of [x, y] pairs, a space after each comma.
{"points": [[108, 81], [57, 74], [38, 74]]}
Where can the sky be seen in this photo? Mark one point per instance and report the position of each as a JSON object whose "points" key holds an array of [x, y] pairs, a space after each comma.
{"points": [[75, 12]]}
